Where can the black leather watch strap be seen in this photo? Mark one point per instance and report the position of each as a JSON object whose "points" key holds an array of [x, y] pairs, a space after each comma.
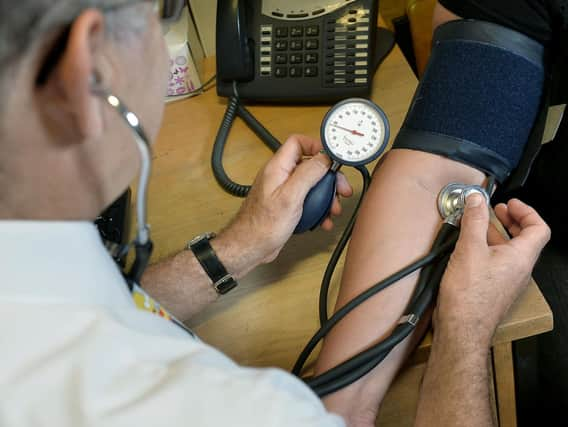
{"points": [[223, 282]]}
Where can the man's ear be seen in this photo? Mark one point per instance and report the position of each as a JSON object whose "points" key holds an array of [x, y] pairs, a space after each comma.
{"points": [[71, 81]]}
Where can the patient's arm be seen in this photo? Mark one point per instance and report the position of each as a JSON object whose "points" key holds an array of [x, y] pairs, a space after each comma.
{"points": [[396, 225]]}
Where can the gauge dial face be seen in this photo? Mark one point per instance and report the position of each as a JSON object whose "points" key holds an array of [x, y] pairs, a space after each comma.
{"points": [[355, 132]]}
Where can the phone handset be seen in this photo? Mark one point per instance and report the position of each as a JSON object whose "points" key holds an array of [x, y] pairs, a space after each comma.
{"points": [[235, 61]]}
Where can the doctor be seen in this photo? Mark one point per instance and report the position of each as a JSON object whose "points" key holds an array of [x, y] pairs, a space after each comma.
{"points": [[75, 349]]}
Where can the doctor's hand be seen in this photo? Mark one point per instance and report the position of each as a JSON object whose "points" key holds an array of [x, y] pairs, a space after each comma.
{"points": [[274, 205], [487, 271]]}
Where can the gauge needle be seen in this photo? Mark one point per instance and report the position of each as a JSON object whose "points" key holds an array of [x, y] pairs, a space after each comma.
{"points": [[353, 132]]}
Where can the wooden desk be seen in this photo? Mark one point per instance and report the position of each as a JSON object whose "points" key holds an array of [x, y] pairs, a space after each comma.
{"points": [[269, 317]]}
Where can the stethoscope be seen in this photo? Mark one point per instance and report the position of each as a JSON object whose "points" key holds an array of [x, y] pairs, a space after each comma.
{"points": [[142, 243], [354, 133]]}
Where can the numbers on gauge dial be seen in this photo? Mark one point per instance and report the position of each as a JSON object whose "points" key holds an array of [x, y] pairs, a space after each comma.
{"points": [[354, 132]]}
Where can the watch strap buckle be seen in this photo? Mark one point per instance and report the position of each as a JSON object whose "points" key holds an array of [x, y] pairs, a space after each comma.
{"points": [[225, 284]]}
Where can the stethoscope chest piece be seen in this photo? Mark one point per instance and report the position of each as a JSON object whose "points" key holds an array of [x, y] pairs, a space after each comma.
{"points": [[451, 200]]}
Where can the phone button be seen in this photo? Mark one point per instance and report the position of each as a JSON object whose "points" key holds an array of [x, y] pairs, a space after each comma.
{"points": [[282, 32], [296, 45], [296, 58], [296, 31], [312, 31], [297, 15], [280, 72], [295, 71], [281, 45], [311, 58], [311, 71], [312, 44], [281, 58]]}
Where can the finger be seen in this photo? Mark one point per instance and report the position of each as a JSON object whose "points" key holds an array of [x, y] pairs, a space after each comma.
{"points": [[336, 207], [292, 151], [306, 175], [533, 232], [327, 224], [495, 236], [474, 223], [344, 189], [502, 213], [514, 230], [497, 233]]}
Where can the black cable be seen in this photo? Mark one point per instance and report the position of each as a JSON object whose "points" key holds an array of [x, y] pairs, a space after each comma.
{"points": [[235, 108], [446, 233], [265, 136], [359, 365], [326, 281], [203, 87], [490, 186], [343, 311], [219, 147]]}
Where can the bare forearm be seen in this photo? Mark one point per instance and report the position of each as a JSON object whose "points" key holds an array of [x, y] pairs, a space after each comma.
{"points": [[455, 390], [396, 225], [181, 284]]}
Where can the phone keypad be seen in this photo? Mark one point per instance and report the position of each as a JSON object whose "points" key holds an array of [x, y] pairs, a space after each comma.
{"points": [[338, 49], [295, 51]]}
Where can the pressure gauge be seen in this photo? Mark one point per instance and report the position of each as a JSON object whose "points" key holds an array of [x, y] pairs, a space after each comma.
{"points": [[355, 132]]}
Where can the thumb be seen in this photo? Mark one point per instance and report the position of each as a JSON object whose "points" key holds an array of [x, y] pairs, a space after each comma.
{"points": [[474, 222], [306, 175]]}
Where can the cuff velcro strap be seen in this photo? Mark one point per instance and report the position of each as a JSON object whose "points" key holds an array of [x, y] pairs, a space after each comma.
{"points": [[479, 97]]}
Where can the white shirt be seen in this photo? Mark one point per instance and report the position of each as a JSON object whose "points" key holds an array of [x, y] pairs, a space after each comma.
{"points": [[75, 351]]}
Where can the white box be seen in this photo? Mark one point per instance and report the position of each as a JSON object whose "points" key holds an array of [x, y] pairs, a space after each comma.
{"points": [[184, 77], [205, 14]]}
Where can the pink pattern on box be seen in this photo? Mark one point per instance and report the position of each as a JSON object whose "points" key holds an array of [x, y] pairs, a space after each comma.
{"points": [[180, 82]]}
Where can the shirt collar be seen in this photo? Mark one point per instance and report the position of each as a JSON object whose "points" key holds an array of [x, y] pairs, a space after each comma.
{"points": [[60, 262]]}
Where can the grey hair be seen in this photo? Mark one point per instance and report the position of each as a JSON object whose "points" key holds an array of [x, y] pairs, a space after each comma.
{"points": [[24, 24], [24, 21]]}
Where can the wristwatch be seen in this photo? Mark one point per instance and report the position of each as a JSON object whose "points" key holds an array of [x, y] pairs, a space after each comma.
{"points": [[222, 280]]}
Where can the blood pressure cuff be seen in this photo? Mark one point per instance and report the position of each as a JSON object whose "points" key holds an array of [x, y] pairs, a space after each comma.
{"points": [[479, 97]]}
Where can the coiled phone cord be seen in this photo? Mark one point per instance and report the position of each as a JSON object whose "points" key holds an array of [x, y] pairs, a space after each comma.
{"points": [[234, 109]]}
